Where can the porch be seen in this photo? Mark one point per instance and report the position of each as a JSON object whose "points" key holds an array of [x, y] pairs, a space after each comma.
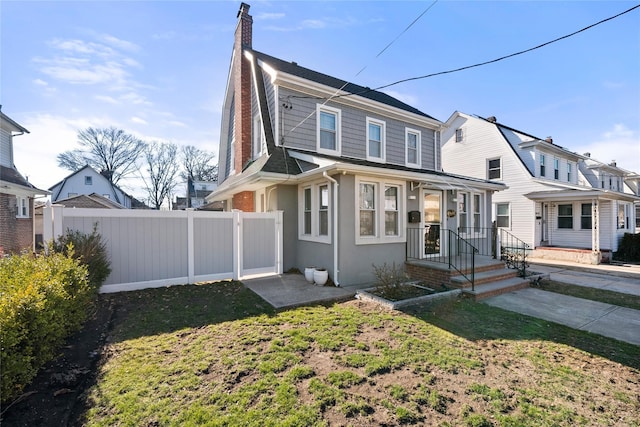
{"points": [[483, 262], [579, 255]]}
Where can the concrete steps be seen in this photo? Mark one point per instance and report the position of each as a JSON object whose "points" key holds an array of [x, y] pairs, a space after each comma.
{"points": [[499, 287]]}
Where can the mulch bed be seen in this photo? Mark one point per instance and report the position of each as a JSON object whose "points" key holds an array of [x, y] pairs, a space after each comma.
{"points": [[55, 397]]}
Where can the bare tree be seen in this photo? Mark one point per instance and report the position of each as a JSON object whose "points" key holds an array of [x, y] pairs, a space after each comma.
{"points": [[198, 164], [162, 171], [110, 151]]}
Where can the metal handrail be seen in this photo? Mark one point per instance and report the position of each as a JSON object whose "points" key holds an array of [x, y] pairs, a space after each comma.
{"points": [[460, 251], [513, 251]]}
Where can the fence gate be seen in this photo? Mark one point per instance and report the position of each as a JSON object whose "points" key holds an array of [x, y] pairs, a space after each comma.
{"points": [[159, 248]]}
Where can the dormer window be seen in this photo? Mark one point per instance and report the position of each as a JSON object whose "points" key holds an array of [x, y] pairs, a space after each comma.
{"points": [[556, 169], [568, 172], [543, 172]]}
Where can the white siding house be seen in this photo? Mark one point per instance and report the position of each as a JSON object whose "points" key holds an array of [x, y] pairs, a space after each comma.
{"points": [[555, 198], [87, 181]]}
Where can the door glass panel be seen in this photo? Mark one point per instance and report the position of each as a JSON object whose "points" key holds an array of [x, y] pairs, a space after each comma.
{"points": [[432, 218]]}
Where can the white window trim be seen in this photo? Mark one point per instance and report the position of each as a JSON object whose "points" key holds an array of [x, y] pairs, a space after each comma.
{"points": [[323, 108], [569, 172], [470, 212], [259, 142], [383, 137], [573, 217], [418, 135], [508, 227], [488, 162], [380, 236], [88, 180], [461, 132], [19, 203], [556, 168], [542, 162], [315, 213]]}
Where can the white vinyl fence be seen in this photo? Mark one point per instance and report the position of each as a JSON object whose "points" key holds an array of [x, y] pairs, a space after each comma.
{"points": [[159, 248]]}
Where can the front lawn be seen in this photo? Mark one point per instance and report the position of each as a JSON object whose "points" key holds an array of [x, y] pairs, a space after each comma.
{"points": [[216, 354]]}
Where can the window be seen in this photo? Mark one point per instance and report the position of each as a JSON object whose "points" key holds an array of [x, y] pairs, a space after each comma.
{"points": [[315, 221], [470, 212], [459, 135], [556, 169], [503, 215], [22, 207], [328, 130], [463, 199], [623, 215], [494, 169], [375, 140], [380, 215], [259, 141], [413, 143], [367, 209], [585, 217], [88, 180], [565, 216], [391, 211], [542, 166], [323, 210], [477, 209], [568, 172], [307, 211]]}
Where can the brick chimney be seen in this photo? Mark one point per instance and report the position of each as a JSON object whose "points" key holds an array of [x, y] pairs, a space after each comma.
{"points": [[242, 114]]}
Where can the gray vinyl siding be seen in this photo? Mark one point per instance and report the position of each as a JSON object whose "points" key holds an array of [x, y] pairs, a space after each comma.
{"points": [[271, 97], [302, 117], [6, 152]]}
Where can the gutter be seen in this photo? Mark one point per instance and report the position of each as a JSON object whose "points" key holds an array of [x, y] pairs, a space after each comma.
{"points": [[335, 227]]}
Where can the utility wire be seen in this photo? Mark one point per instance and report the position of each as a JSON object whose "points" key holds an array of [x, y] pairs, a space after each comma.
{"points": [[335, 95], [493, 60]]}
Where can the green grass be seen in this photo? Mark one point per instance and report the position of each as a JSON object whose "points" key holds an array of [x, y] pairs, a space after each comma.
{"points": [[594, 294], [217, 355]]}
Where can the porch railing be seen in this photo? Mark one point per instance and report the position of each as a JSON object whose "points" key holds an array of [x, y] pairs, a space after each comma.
{"points": [[513, 252], [436, 244], [462, 256]]}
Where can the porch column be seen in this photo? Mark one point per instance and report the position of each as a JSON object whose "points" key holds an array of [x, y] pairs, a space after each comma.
{"points": [[595, 226]]}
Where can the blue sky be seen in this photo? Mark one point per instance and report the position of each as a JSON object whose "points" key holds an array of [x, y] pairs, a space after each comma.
{"points": [[158, 69]]}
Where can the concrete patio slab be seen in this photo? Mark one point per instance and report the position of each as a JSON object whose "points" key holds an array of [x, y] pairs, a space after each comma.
{"points": [[292, 290], [604, 319]]}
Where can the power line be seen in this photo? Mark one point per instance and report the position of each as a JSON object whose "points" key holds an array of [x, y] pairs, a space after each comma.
{"points": [[493, 60], [335, 95]]}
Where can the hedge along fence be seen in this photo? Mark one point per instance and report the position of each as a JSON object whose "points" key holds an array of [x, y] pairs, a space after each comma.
{"points": [[42, 300]]}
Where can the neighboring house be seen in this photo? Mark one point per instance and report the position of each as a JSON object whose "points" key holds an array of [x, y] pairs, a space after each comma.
{"points": [[87, 181], [555, 198], [90, 201], [355, 171], [197, 193], [16, 194]]}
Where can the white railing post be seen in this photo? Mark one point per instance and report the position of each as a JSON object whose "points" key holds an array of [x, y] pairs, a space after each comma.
{"points": [[52, 217], [237, 244], [279, 242], [191, 263]]}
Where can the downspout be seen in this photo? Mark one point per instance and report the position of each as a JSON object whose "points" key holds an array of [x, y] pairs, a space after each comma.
{"points": [[335, 227]]}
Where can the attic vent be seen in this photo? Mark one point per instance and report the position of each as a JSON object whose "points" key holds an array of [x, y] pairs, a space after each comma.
{"points": [[587, 154], [492, 119], [549, 140], [613, 163]]}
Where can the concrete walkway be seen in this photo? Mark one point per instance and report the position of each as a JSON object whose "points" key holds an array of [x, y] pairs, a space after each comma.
{"points": [[605, 319]]}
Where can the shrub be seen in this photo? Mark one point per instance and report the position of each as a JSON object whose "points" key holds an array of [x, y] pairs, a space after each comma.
{"points": [[90, 250], [629, 248], [42, 300]]}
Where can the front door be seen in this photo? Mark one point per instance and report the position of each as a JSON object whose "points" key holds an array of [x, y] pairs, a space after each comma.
{"points": [[432, 222]]}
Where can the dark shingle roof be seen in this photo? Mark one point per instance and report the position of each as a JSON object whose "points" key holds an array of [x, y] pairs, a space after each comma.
{"points": [[13, 176], [314, 76]]}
